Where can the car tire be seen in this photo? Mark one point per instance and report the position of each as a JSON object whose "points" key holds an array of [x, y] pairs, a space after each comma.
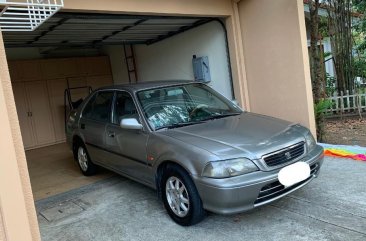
{"points": [[180, 196], [87, 167]]}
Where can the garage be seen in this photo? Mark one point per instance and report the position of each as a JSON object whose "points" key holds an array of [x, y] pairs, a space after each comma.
{"points": [[57, 65], [266, 43]]}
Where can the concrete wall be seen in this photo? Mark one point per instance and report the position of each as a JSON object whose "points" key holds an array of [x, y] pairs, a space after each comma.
{"points": [[171, 59], [276, 57]]}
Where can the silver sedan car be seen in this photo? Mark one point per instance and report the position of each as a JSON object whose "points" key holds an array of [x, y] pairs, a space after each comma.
{"points": [[200, 151]]}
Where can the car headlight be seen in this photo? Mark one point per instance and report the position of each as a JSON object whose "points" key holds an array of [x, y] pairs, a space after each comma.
{"points": [[310, 141], [229, 168]]}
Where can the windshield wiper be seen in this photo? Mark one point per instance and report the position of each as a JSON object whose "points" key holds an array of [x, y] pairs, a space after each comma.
{"points": [[222, 116], [180, 124]]}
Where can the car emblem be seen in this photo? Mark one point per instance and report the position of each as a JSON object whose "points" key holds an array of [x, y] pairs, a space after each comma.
{"points": [[288, 155]]}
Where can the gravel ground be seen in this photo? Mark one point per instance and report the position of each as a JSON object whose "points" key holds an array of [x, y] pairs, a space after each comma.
{"points": [[349, 131]]}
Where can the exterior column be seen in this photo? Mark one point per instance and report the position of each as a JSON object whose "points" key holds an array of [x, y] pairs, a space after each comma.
{"points": [[234, 37], [18, 219], [276, 59]]}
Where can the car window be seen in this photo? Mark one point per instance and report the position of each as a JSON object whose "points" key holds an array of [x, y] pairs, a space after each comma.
{"points": [[89, 107], [124, 108], [99, 107], [183, 104], [201, 96]]}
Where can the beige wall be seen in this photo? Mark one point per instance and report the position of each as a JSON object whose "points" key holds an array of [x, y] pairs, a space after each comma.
{"points": [[277, 71], [16, 199], [161, 7]]}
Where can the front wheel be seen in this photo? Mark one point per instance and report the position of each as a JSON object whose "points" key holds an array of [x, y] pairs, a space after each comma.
{"points": [[180, 196]]}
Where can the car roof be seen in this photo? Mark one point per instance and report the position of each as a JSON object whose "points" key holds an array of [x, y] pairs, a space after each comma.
{"points": [[134, 87]]}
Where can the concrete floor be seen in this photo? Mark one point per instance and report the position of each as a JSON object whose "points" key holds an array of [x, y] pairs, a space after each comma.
{"points": [[332, 207], [52, 170]]}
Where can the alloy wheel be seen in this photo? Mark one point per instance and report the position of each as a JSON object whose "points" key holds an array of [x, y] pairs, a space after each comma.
{"points": [[177, 196], [83, 159]]}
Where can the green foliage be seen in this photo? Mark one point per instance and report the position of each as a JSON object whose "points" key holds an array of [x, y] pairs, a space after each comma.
{"points": [[359, 38], [359, 5], [321, 107], [327, 55], [360, 67], [319, 110], [330, 86], [323, 26]]}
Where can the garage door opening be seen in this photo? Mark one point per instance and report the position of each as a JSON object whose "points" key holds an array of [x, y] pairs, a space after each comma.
{"points": [[88, 49]]}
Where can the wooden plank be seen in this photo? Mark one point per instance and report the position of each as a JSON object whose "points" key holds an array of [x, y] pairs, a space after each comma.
{"points": [[342, 104], [335, 94]]}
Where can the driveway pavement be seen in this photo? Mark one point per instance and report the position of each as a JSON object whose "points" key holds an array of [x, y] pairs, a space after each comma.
{"points": [[332, 207]]}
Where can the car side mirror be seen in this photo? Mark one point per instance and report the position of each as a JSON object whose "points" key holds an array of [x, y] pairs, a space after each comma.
{"points": [[131, 124]]}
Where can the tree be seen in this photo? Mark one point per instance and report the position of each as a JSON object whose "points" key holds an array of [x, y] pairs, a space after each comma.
{"points": [[315, 54], [316, 70], [359, 38], [340, 32]]}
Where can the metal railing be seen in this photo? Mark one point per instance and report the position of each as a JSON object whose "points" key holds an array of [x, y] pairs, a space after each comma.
{"points": [[27, 15]]}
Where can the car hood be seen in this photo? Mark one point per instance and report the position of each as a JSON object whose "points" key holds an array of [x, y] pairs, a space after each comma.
{"points": [[247, 135]]}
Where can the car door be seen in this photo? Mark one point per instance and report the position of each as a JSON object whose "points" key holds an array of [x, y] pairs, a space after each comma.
{"points": [[127, 148], [95, 116]]}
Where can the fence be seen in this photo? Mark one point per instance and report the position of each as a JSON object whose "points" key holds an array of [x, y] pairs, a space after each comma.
{"points": [[348, 103]]}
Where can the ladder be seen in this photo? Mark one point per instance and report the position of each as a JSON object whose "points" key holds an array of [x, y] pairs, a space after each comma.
{"points": [[130, 63]]}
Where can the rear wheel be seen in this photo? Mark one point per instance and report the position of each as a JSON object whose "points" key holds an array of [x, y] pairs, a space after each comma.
{"points": [[86, 166], [180, 196]]}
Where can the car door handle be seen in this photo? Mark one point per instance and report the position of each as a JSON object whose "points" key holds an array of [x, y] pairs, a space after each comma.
{"points": [[82, 126], [111, 134]]}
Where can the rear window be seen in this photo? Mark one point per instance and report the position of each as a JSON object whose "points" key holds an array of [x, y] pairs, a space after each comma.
{"points": [[99, 107]]}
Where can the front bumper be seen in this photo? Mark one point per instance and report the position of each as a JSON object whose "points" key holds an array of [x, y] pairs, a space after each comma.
{"points": [[245, 192]]}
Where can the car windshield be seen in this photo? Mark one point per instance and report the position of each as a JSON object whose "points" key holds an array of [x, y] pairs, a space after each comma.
{"points": [[182, 105]]}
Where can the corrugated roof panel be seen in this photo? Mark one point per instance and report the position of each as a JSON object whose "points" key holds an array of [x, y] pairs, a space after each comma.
{"points": [[97, 29]]}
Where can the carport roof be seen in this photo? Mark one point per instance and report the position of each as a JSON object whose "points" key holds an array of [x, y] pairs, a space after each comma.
{"points": [[94, 29]]}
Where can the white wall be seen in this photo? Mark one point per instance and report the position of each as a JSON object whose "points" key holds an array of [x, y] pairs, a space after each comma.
{"points": [[171, 58], [118, 63], [329, 65]]}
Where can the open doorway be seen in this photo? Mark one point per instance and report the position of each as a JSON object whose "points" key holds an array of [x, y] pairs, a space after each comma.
{"points": [[94, 50]]}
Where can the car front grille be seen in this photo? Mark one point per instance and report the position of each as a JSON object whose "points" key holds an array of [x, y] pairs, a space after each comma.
{"points": [[275, 189], [285, 155]]}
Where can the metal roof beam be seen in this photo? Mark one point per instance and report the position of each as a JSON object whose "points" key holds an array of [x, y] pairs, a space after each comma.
{"points": [[44, 33], [119, 31], [180, 30], [74, 45], [117, 16]]}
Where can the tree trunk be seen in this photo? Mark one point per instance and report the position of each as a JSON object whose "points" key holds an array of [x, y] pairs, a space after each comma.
{"points": [[340, 30], [316, 61]]}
